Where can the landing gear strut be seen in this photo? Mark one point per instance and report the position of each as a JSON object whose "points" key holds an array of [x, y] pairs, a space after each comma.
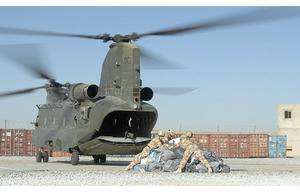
{"points": [[75, 158], [99, 158], [42, 154]]}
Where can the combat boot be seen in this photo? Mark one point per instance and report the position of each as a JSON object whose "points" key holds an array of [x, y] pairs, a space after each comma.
{"points": [[178, 171], [127, 169]]}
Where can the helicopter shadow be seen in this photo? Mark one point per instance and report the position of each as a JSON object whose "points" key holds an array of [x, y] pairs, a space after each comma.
{"points": [[89, 163]]}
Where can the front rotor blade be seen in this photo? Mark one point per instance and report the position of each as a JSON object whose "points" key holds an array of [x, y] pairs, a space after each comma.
{"points": [[261, 15], [24, 91], [19, 31], [28, 56]]}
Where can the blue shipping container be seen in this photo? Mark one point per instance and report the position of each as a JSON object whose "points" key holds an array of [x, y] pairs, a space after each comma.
{"points": [[277, 146]]}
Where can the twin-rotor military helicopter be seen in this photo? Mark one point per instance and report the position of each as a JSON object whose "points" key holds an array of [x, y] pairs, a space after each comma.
{"points": [[112, 118]]}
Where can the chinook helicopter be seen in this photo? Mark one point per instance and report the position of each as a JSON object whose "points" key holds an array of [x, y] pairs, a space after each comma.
{"points": [[112, 118]]}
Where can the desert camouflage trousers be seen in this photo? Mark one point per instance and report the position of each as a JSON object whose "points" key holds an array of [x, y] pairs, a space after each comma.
{"points": [[141, 155], [188, 152]]}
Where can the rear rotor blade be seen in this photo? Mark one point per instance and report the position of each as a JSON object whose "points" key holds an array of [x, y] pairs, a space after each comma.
{"points": [[154, 62], [24, 91], [261, 15], [172, 91]]}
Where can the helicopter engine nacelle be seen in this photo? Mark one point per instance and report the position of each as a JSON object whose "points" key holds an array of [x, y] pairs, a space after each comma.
{"points": [[78, 92], [146, 94]]}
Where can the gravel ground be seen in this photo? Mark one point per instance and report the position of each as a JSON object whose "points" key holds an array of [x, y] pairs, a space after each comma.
{"points": [[92, 178], [58, 172]]}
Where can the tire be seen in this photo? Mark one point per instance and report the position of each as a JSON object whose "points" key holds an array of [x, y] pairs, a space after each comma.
{"points": [[102, 158], [38, 156], [75, 158], [96, 159], [46, 157]]}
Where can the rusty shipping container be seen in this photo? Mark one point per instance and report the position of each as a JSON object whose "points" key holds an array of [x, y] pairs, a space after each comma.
{"points": [[17, 142], [60, 154], [219, 144], [203, 139], [258, 145], [239, 146], [234, 145]]}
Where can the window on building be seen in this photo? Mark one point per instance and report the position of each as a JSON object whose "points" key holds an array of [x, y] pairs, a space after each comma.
{"points": [[287, 114]]}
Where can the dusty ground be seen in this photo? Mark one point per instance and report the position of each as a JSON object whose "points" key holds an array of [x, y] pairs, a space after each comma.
{"points": [[59, 172]]}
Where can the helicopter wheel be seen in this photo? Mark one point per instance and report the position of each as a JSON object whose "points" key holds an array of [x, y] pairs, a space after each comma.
{"points": [[46, 157], [96, 159], [102, 158], [75, 158], [39, 156]]}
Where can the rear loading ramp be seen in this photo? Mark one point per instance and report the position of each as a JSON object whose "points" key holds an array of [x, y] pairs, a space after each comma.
{"points": [[114, 145]]}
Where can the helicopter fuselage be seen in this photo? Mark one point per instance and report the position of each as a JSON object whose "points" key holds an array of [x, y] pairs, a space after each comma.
{"points": [[111, 119]]}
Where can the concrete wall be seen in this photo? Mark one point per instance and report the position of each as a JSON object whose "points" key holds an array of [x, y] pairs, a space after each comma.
{"points": [[290, 127], [294, 121]]}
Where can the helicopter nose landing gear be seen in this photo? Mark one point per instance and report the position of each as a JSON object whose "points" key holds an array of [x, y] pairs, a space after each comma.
{"points": [[42, 155]]}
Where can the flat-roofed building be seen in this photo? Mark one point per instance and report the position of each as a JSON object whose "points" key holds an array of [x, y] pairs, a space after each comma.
{"points": [[289, 125]]}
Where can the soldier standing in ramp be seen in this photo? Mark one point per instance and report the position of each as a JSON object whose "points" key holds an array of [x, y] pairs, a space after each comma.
{"points": [[157, 142], [190, 148]]}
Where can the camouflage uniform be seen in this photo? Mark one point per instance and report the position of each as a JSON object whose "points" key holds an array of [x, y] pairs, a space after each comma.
{"points": [[168, 136], [153, 144], [190, 137], [190, 148]]}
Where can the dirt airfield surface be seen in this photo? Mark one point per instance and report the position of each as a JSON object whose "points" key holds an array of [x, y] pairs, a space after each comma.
{"points": [[24, 171]]}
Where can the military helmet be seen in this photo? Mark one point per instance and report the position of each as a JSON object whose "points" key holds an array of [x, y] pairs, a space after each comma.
{"points": [[189, 134], [182, 136], [160, 134], [171, 132]]}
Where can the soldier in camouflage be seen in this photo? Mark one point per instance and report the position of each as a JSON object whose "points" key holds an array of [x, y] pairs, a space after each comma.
{"points": [[168, 136], [190, 136], [157, 142], [190, 148]]}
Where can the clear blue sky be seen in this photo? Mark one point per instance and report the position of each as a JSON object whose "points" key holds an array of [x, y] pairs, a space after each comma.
{"points": [[241, 73]]}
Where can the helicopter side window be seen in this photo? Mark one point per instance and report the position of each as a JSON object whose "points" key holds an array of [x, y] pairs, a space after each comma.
{"points": [[64, 121], [45, 120]]}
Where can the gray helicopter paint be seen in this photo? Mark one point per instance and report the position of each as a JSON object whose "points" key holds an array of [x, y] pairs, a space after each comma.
{"points": [[65, 123]]}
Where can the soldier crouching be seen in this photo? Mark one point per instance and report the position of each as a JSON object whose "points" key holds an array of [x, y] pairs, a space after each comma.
{"points": [[157, 142]]}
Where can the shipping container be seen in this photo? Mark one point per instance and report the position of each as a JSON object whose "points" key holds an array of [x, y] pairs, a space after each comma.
{"points": [[277, 146], [203, 139], [239, 146], [60, 154], [234, 145], [219, 144], [17, 142], [258, 145]]}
